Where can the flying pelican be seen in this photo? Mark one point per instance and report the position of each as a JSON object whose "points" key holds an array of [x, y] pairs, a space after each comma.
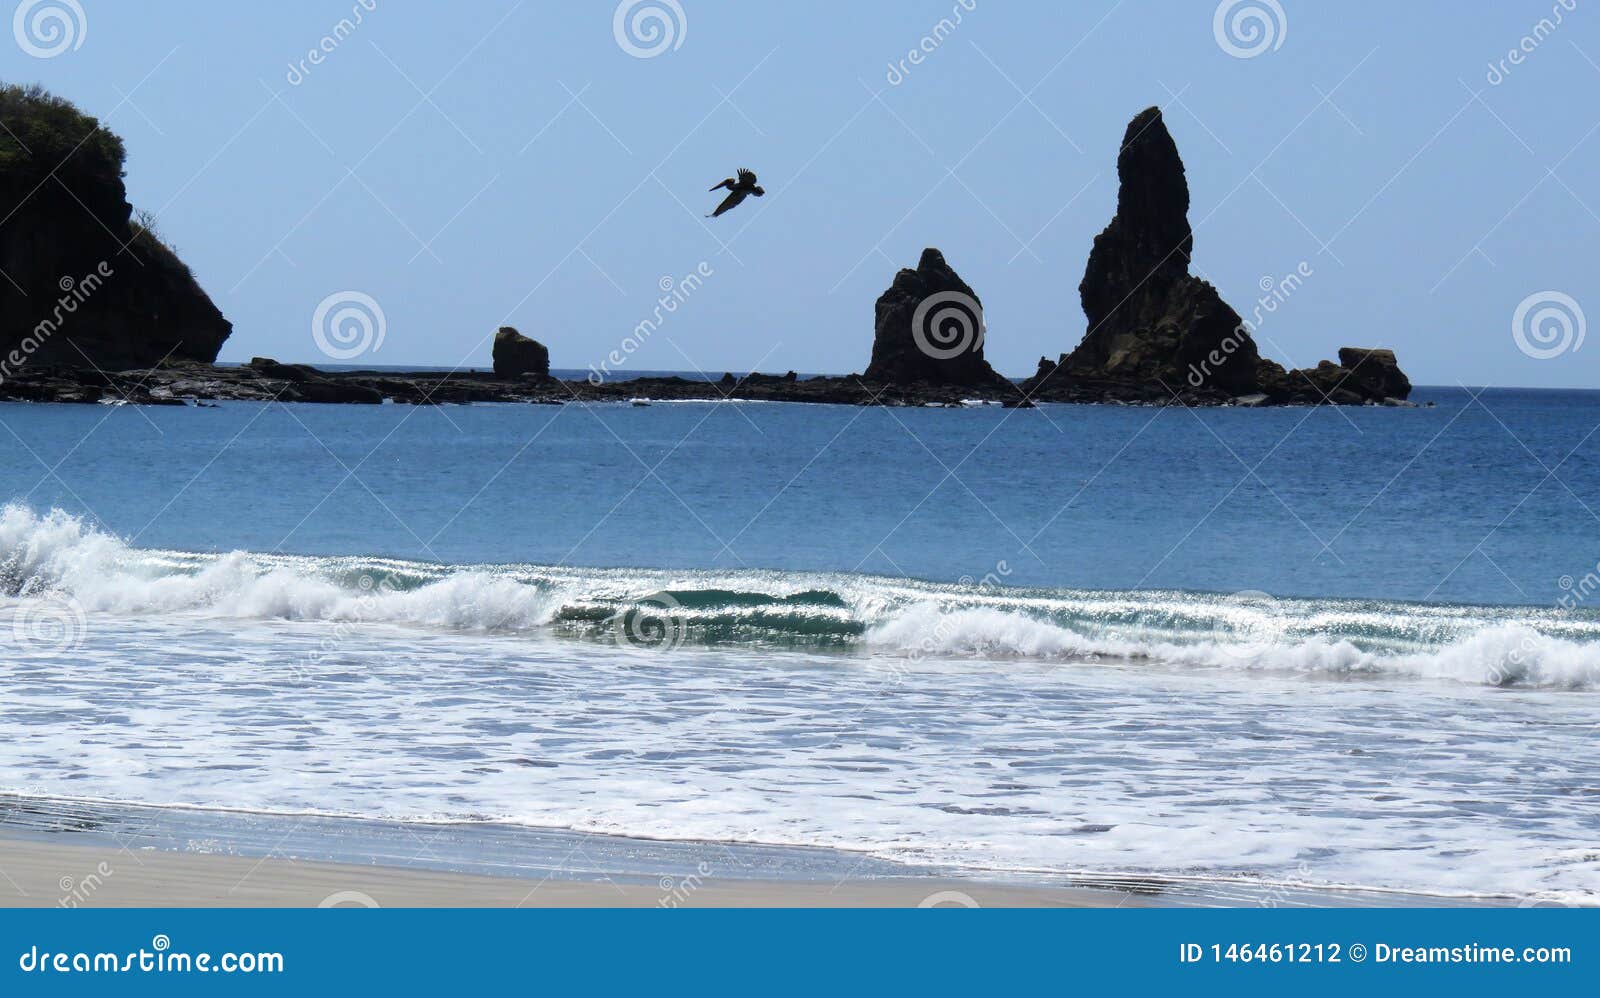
{"points": [[738, 190]]}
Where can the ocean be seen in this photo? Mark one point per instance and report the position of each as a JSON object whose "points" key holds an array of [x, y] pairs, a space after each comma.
{"points": [[1337, 648]]}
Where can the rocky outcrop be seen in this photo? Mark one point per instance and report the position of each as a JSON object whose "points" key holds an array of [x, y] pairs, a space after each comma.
{"points": [[89, 285], [1327, 382], [305, 383], [269, 368], [266, 380], [929, 329], [1150, 320], [1376, 372], [1157, 333], [1361, 376], [517, 356]]}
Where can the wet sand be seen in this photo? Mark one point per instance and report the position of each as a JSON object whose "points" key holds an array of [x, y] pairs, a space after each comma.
{"points": [[75, 853]]}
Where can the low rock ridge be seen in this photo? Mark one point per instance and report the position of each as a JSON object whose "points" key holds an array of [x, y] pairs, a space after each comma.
{"points": [[267, 380]]}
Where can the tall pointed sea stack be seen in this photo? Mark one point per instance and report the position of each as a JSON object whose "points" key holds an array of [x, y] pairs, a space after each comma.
{"points": [[1150, 320], [929, 329]]}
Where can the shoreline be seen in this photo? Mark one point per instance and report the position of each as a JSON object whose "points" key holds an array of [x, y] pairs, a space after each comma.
{"points": [[59, 853]]}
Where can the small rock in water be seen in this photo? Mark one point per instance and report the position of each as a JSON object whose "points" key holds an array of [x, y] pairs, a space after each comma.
{"points": [[515, 355]]}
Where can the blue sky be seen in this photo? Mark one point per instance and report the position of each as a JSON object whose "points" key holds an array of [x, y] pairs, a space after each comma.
{"points": [[496, 161]]}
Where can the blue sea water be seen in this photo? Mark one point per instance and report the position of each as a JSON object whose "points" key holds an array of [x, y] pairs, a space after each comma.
{"points": [[1486, 498], [1326, 646]]}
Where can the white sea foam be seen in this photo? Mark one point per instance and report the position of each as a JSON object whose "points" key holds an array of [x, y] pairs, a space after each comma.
{"points": [[393, 689], [59, 554], [1498, 655]]}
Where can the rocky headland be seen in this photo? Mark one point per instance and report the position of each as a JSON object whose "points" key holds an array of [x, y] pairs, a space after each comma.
{"points": [[91, 286]]}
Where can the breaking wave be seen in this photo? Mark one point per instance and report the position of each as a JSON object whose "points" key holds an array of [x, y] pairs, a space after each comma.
{"points": [[57, 556]]}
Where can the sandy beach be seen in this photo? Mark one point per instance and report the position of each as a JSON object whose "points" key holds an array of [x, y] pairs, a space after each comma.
{"points": [[44, 874]]}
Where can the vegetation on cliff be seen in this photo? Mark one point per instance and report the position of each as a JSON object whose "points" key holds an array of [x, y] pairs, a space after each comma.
{"points": [[88, 284]]}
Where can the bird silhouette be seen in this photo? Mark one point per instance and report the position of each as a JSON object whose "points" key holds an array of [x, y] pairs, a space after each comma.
{"points": [[738, 190]]}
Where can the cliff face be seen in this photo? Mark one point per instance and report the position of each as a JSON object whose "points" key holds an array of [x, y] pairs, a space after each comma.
{"points": [[928, 328], [1150, 320], [87, 285]]}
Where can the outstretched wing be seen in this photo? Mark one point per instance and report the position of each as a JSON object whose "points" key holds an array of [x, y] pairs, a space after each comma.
{"points": [[746, 178], [729, 202], [726, 183]]}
